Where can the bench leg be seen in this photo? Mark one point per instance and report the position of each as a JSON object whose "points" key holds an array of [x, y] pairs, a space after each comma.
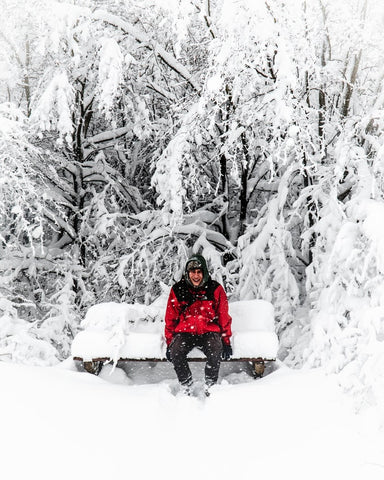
{"points": [[258, 367], [93, 367]]}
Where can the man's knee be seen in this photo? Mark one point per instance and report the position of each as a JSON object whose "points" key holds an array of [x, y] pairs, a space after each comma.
{"points": [[179, 347]]}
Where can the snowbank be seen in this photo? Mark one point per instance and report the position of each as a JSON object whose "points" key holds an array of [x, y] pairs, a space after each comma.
{"points": [[118, 330], [292, 424]]}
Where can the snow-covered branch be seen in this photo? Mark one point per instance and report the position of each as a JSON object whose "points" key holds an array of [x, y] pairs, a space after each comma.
{"points": [[107, 136], [146, 40]]}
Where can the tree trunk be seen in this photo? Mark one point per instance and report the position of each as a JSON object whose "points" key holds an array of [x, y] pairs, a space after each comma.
{"points": [[27, 87], [356, 63], [78, 181], [351, 85], [244, 185]]}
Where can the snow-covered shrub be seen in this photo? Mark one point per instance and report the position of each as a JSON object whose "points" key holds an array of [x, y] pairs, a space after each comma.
{"points": [[345, 281], [347, 326], [264, 251], [32, 276], [19, 341], [60, 316], [20, 197]]}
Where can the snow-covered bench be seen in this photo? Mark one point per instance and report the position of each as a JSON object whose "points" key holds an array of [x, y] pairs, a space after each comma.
{"points": [[118, 332]]}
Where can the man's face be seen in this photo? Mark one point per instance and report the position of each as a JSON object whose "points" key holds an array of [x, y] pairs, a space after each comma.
{"points": [[196, 276]]}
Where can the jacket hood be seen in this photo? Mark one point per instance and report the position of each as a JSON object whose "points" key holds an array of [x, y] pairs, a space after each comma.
{"points": [[196, 261]]}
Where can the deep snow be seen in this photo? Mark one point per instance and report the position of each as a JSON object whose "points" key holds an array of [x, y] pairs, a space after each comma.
{"points": [[292, 424]]}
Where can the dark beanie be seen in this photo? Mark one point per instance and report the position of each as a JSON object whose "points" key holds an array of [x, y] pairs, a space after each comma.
{"points": [[197, 261]]}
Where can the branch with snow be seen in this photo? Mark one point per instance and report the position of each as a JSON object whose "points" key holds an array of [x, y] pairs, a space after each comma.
{"points": [[54, 108], [146, 40], [110, 74]]}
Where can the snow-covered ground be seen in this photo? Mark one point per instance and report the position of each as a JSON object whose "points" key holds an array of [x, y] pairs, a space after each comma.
{"points": [[58, 423]]}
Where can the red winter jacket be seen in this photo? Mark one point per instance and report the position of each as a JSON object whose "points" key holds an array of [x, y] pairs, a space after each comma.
{"points": [[197, 311]]}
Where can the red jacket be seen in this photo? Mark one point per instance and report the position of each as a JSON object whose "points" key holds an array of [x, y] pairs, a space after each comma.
{"points": [[197, 311]]}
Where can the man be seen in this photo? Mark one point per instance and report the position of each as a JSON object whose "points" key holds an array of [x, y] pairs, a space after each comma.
{"points": [[197, 316]]}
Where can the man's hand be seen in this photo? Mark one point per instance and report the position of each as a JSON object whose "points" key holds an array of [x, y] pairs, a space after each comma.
{"points": [[227, 351]]}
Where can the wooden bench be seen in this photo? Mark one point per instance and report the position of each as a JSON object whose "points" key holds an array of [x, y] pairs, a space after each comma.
{"points": [[118, 333]]}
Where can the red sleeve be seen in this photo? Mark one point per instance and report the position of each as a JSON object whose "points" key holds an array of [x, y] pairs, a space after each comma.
{"points": [[224, 319], [171, 316]]}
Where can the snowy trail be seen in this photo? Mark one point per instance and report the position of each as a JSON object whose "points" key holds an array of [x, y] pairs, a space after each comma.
{"points": [[62, 424]]}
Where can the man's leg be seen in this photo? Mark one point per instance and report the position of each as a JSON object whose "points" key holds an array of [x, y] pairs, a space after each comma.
{"points": [[181, 345], [212, 347]]}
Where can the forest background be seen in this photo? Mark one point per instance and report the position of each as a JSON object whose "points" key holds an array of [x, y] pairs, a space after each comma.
{"points": [[133, 133]]}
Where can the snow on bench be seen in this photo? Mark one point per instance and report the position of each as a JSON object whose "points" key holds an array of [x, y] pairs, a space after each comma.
{"points": [[135, 332]]}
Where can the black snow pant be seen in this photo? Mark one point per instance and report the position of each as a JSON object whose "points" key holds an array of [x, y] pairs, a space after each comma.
{"points": [[212, 347]]}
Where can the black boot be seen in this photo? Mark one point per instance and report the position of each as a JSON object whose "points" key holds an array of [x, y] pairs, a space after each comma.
{"points": [[186, 387]]}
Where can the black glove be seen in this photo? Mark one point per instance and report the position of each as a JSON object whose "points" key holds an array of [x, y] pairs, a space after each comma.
{"points": [[168, 354], [227, 352]]}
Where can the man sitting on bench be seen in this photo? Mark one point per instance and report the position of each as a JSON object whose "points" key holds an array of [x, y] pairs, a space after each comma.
{"points": [[197, 316]]}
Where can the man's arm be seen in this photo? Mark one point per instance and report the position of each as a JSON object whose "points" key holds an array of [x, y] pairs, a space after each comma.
{"points": [[224, 319], [171, 316]]}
